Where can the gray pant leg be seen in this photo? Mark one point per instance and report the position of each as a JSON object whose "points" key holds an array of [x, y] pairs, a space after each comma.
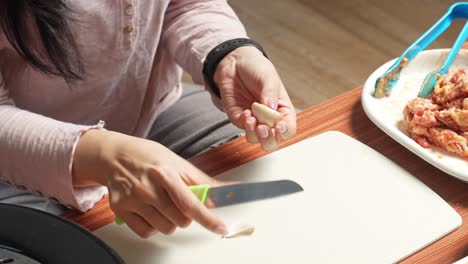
{"points": [[193, 124]]}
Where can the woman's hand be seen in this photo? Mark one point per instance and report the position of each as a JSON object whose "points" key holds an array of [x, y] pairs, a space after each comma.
{"points": [[245, 76], [147, 182]]}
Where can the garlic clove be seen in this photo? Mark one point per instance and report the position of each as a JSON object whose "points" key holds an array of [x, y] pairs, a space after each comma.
{"points": [[265, 114], [239, 230]]}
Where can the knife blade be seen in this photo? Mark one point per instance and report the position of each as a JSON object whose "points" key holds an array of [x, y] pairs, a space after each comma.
{"points": [[238, 193], [243, 192]]}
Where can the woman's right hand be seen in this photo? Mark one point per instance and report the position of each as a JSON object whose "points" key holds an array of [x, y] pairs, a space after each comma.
{"points": [[147, 182]]}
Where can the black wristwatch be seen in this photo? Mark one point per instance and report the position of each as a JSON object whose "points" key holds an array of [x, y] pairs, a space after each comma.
{"points": [[218, 53]]}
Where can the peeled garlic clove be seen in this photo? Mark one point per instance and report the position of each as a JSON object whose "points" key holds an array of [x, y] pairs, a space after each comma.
{"points": [[239, 230], [265, 114]]}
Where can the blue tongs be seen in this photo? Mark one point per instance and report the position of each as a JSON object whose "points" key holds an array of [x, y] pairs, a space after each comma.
{"points": [[389, 79]]}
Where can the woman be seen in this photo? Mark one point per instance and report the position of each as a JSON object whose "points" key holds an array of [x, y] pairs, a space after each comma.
{"points": [[69, 66]]}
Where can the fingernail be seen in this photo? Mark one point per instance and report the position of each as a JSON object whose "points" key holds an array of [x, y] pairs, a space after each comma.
{"points": [[272, 104], [263, 133], [251, 125], [281, 128], [222, 230]]}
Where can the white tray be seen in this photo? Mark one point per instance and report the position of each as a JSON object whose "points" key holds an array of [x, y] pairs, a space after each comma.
{"points": [[351, 211], [387, 113]]}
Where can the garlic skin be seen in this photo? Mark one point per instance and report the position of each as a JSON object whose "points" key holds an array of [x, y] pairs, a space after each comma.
{"points": [[265, 114], [239, 230]]}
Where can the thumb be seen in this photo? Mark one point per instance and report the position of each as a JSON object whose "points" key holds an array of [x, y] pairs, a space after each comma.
{"points": [[269, 92]]}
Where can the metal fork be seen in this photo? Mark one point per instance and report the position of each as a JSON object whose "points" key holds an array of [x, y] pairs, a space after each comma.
{"points": [[389, 79]]}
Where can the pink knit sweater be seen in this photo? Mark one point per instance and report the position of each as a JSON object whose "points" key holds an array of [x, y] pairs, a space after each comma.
{"points": [[132, 51]]}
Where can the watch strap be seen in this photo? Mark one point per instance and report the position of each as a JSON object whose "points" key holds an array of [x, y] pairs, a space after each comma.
{"points": [[215, 56]]}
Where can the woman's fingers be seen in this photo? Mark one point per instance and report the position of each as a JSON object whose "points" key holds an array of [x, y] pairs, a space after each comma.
{"points": [[157, 220], [266, 136], [250, 134], [270, 134], [270, 84], [188, 203], [269, 137], [165, 205], [250, 124], [138, 224], [286, 128]]}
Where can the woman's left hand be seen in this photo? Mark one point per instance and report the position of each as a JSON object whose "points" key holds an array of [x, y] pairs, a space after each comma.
{"points": [[245, 76]]}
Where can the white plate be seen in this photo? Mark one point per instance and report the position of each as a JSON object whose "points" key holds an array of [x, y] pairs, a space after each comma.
{"points": [[387, 112]]}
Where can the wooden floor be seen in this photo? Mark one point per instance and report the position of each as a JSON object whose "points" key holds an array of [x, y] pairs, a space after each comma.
{"points": [[323, 48]]}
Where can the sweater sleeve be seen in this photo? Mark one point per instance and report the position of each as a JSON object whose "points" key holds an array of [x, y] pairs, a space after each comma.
{"points": [[36, 153], [193, 27]]}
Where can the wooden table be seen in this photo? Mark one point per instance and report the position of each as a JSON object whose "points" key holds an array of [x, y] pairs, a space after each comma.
{"points": [[343, 113]]}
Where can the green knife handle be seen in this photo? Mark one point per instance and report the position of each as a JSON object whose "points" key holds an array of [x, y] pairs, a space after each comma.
{"points": [[201, 191]]}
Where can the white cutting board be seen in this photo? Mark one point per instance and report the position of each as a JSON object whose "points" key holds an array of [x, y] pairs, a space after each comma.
{"points": [[357, 207]]}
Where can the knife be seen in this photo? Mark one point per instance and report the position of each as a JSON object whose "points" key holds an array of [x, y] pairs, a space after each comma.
{"points": [[244, 192], [241, 192]]}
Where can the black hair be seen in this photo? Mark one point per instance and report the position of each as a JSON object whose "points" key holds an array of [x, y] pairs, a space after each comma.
{"points": [[52, 18]]}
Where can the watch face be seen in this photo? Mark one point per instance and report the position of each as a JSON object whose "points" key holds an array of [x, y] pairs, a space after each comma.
{"points": [[31, 236]]}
